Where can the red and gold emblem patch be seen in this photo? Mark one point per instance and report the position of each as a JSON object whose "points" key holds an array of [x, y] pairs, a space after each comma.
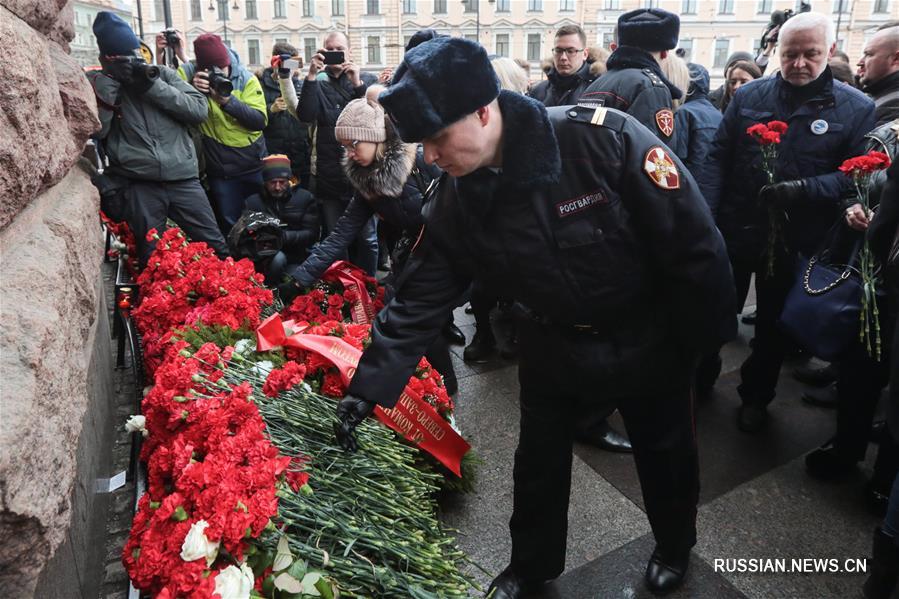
{"points": [[665, 121], [661, 169]]}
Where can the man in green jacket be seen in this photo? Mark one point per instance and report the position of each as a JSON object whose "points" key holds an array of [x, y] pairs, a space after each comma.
{"points": [[152, 164], [233, 144]]}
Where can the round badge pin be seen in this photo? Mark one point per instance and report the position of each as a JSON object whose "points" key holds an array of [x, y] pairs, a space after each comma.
{"points": [[819, 127]]}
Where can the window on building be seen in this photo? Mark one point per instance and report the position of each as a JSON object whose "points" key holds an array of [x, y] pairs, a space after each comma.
{"points": [[534, 47], [566, 5], [687, 46], [280, 40], [469, 5], [472, 37], [253, 51], [756, 42], [503, 6], [280, 11], [310, 47], [650, 3], [612, 5], [409, 7], [373, 7], [726, 7], [308, 8], [535, 5], [337, 8], [607, 38], [439, 7], [881, 6], [764, 7], [223, 10], [374, 49], [722, 51], [840, 6], [688, 7], [158, 10], [502, 44], [250, 9], [196, 11]]}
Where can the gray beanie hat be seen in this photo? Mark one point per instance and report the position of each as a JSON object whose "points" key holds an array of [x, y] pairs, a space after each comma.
{"points": [[362, 120]]}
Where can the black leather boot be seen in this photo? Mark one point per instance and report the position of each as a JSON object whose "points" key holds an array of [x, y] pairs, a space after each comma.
{"points": [[827, 463], [664, 573], [605, 437], [884, 567], [481, 347], [822, 398], [453, 334], [752, 417], [815, 376], [509, 585]]}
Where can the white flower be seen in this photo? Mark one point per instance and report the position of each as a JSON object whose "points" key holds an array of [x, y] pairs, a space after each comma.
{"points": [[137, 424], [263, 368], [234, 583], [244, 346], [196, 545]]}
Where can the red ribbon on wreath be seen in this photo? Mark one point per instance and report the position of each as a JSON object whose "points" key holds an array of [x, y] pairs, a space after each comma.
{"points": [[351, 277], [412, 417]]}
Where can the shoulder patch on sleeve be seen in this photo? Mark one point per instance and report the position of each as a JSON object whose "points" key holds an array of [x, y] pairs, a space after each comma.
{"points": [[665, 121], [661, 169]]}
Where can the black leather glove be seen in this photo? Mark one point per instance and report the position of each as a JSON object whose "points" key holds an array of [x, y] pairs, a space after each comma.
{"points": [[288, 291], [782, 195], [351, 411], [120, 70], [142, 79]]}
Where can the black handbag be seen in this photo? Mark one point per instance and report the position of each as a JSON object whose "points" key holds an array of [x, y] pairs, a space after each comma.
{"points": [[822, 310]]}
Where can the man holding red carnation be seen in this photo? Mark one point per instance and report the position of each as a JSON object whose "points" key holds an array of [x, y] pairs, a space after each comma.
{"points": [[826, 122]]}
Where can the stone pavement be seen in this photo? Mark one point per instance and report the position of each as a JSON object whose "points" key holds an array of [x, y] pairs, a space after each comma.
{"points": [[756, 499]]}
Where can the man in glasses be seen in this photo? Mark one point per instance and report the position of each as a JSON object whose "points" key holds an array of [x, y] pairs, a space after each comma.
{"points": [[634, 82], [570, 74]]}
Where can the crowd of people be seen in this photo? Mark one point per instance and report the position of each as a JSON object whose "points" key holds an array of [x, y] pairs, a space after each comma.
{"points": [[616, 209]]}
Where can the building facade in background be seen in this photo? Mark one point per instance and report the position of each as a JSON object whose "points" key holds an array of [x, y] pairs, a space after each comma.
{"points": [[84, 46], [379, 29]]}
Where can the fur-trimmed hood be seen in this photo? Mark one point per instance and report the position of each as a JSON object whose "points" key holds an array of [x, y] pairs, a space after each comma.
{"points": [[385, 176]]}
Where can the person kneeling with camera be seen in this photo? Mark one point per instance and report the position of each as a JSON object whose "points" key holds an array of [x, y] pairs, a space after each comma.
{"points": [[233, 144], [294, 213], [145, 112]]}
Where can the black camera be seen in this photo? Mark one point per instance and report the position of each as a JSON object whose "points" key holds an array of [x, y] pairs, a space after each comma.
{"points": [[219, 82], [778, 18], [138, 67], [255, 236], [171, 38]]}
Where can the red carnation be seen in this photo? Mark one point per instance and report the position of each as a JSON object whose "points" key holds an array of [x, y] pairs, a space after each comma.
{"points": [[777, 126]]}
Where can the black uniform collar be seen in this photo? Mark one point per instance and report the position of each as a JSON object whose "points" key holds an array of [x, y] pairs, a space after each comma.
{"points": [[629, 57], [530, 150], [885, 84]]}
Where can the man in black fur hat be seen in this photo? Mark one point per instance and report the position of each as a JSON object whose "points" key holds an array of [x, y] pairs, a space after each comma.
{"points": [[634, 82], [599, 232]]}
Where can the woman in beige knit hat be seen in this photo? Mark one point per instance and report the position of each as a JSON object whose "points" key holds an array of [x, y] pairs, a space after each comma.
{"points": [[390, 179]]}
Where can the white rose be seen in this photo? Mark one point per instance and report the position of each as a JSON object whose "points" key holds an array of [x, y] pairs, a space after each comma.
{"points": [[262, 368], [244, 346], [137, 424], [234, 583], [196, 545]]}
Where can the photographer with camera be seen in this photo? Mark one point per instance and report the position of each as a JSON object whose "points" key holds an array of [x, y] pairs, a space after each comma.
{"points": [[233, 145], [322, 100], [170, 48], [145, 112]]}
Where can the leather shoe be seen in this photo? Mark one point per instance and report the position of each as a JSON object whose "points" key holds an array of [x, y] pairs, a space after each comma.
{"points": [[822, 398], [481, 348], [814, 376], [826, 463], [453, 334], [666, 573], [750, 318], [752, 417], [605, 437], [509, 585]]}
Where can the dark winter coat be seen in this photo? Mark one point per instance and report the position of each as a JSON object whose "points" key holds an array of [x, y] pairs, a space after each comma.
{"points": [[559, 90], [298, 214], [321, 102], [885, 94], [734, 174], [284, 133], [392, 187], [696, 122], [576, 228], [635, 84]]}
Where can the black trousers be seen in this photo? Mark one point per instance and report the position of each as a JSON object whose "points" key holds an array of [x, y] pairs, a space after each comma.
{"points": [[150, 203], [557, 370], [760, 371]]}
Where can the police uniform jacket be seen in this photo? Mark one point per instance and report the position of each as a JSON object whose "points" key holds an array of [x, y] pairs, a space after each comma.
{"points": [[824, 130], [592, 225], [636, 85]]}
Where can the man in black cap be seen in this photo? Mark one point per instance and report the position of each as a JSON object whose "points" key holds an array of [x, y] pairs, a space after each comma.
{"points": [[634, 82], [600, 234]]}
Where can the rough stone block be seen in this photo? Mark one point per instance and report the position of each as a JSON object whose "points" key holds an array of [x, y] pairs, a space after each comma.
{"points": [[42, 15]]}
